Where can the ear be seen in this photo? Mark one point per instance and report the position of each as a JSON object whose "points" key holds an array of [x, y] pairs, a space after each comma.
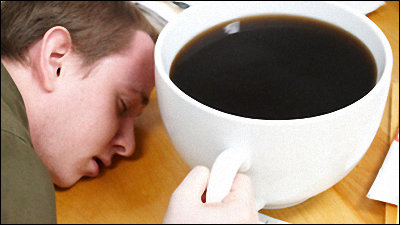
{"points": [[55, 45]]}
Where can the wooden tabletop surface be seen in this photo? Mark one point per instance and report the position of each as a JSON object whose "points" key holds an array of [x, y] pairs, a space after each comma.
{"points": [[137, 189]]}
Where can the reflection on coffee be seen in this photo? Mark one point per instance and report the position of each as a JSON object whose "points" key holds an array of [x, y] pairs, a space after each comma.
{"points": [[275, 67]]}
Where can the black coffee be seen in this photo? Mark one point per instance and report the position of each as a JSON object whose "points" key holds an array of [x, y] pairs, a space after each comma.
{"points": [[275, 67]]}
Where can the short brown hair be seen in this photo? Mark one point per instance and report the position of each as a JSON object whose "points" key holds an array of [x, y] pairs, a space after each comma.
{"points": [[97, 29]]}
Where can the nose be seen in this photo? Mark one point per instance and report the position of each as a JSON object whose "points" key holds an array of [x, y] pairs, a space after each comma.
{"points": [[124, 141]]}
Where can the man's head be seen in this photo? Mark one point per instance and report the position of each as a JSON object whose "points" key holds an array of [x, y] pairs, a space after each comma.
{"points": [[89, 71]]}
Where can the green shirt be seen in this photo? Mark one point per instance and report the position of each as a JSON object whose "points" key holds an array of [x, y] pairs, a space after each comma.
{"points": [[27, 191]]}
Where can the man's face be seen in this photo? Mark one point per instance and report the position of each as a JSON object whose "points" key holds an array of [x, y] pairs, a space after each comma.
{"points": [[92, 118]]}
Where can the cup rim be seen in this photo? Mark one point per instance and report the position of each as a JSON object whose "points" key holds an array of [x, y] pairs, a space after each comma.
{"points": [[386, 74]]}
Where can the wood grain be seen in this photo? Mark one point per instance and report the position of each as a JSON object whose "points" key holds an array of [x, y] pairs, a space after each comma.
{"points": [[137, 189], [391, 211]]}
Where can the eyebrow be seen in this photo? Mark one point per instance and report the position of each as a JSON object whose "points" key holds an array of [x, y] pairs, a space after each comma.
{"points": [[143, 96]]}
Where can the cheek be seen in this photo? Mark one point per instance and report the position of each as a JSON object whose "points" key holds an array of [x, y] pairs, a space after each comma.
{"points": [[95, 124], [82, 129], [92, 112]]}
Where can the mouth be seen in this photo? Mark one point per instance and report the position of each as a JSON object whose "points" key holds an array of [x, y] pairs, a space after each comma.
{"points": [[96, 165], [100, 163]]}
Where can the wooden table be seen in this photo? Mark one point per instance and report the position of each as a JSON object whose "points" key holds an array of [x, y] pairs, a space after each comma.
{"points": [[137, 189]]}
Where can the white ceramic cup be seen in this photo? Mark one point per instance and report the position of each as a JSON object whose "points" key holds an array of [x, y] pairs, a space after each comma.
{"points": [[288, 161]]}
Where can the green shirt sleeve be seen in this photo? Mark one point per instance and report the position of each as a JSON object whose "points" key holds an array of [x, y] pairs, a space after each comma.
{"points": [[26, 195], [27, 191]]}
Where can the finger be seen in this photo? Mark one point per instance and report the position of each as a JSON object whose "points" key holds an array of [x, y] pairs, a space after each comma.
{"points": [[194, 184], [241, 188], [241, 182]]}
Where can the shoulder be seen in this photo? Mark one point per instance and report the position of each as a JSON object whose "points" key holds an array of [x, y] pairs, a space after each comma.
{"points": [[27, 191]]}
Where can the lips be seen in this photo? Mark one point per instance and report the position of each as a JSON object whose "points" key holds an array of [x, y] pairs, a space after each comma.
{"points": [[102, 162], [99, 162], [94, 168], [96, 164]]}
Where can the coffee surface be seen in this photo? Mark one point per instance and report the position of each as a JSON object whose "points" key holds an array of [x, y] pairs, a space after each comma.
{"points": [[275, 67]]}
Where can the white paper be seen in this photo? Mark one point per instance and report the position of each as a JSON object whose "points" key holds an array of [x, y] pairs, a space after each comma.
{"points": [[168, 10], [269, 220], [386, 185], [364, 7]]}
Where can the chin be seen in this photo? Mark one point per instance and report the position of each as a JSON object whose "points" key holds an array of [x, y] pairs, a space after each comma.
{"points": [[64, 182]]}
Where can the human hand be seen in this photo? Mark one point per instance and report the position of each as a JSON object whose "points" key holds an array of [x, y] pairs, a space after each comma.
{"points": [[186, 205]]}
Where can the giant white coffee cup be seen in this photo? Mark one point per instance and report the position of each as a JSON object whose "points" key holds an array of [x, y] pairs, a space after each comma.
{"points": [[288, 161]]}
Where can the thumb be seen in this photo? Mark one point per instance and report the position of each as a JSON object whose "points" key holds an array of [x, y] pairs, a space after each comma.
{"points": [[194, 184]]}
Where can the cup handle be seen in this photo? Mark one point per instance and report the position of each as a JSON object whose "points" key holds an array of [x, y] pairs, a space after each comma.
{"points": [[224, 170]]}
